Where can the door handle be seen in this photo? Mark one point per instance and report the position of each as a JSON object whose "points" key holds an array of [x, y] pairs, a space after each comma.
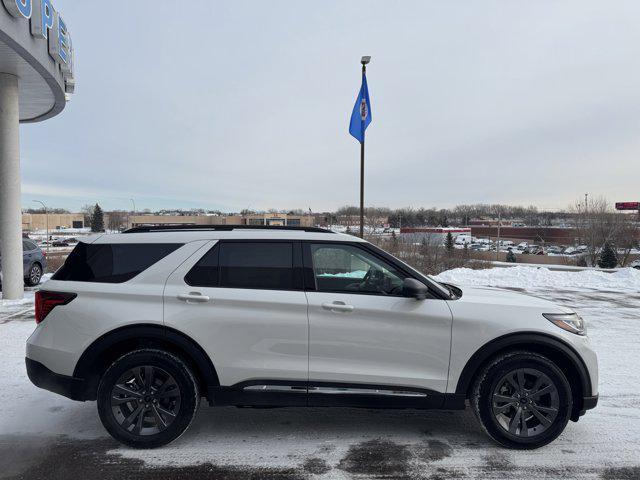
{"points": [[338, 307], [193, 297]]}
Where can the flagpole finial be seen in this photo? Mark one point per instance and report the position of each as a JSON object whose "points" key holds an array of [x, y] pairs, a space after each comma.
{"points": [[365, 59]]}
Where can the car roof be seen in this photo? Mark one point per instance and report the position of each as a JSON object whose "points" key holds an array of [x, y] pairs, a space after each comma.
{"points": [[189, 235]]}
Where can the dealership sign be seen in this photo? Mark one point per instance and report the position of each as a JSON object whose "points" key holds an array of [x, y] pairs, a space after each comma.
{"points": [[46, 24], [628, 206]]}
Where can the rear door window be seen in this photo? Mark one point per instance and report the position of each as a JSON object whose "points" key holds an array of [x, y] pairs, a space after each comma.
{"points": [[28, 245], [205, 272], [111, 262], [259, 265]]}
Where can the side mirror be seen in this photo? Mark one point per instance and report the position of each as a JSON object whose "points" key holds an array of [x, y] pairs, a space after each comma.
{"points": [[413, 288]]}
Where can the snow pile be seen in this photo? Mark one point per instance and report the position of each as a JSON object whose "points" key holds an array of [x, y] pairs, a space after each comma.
{"points": [[541, 277]]}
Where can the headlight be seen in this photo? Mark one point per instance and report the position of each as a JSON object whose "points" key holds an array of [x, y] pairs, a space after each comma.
{"points": [[571, 322]]}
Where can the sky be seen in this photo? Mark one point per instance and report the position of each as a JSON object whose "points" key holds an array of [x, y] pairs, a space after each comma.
{"points": [[246, 104]]}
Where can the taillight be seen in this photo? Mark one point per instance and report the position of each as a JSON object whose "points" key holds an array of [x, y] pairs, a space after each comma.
{"points": [[47, 301]]}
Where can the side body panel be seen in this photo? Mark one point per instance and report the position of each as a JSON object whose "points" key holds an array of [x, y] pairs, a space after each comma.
{"points": [[383, 340], [485, 314], [248, 333], [59, 341]]}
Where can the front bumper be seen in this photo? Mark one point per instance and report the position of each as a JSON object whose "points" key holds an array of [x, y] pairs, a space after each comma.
{"points": [[41, 376], [589, 402]]}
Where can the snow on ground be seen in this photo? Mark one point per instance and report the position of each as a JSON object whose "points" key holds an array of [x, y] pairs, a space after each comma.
{"points": [[12, 309], [532, 277], [43, 435]]}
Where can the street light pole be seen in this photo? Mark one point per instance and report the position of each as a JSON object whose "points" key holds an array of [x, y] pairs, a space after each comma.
{"points": [[498, 244], [46, 219], [134, 212]]}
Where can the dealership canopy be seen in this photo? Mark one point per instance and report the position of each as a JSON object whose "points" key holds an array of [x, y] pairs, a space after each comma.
{"points": [[36, 78]]}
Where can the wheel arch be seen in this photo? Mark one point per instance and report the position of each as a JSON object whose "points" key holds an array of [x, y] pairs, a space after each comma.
{"points": [[35, 262], [115, 343], [558, 351]]}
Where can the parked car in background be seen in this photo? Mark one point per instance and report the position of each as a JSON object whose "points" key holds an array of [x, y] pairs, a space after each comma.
{"points": [[464, 240], [34, 261], [534, 250], [635, 264]]}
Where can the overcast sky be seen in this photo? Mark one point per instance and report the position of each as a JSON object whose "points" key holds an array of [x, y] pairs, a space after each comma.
{"points": [[240, 104]]}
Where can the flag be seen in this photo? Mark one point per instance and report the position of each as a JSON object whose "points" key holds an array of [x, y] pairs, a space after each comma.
{"points": [[361, 115]]}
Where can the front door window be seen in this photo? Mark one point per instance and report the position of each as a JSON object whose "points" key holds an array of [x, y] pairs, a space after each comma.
{"points": [[349, 269]]}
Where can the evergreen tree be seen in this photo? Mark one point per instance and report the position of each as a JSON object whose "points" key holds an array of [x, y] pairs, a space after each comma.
{"points": [[608, 257], [511, 257], [449, 242], [97, 219]]}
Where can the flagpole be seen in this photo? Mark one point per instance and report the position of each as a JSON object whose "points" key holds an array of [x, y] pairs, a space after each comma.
{"points": [[364, 71]]}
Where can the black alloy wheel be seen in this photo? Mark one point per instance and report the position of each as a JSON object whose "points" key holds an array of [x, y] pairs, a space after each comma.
{"points": [[147, 398], [525, 402], [522, 399]]}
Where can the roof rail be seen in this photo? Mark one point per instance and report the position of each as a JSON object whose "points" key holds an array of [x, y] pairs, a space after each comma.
{"points": [[220, 228]]}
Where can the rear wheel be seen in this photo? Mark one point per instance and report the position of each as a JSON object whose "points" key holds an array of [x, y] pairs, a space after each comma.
{"points": [[147, 398], [34, 275], [522, 400]]}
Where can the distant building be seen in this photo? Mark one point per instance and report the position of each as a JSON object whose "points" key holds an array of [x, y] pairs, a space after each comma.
{"points": [[257, 219], [554, 235], [56, 221]]}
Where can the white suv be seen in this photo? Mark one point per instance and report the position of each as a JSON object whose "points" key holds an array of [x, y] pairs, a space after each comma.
{"points": [[149, 321]]}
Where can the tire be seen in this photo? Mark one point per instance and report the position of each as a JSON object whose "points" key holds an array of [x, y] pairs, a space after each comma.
{"points": [[34, 276], [507, 386], [147, 410]]}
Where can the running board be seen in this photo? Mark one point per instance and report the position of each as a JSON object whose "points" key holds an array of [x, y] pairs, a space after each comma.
{"points": [[335, 390], [283, 393]]}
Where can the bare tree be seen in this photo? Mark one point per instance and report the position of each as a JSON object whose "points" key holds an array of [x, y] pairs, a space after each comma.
{"points": [[597, 223], [627, 237], [117, 220], [87, 211]]}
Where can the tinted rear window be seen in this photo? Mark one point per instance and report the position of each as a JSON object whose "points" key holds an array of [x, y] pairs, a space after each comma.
{"points": [[111, 262], [260, 265], [28, 245], [205, 272]]}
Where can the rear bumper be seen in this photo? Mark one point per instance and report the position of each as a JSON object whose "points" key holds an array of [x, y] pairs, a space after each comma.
{"points": [[41, 376]]}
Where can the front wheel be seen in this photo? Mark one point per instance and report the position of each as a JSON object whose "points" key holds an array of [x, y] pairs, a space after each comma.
{"points": [[147, 398], [522, 400]]}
